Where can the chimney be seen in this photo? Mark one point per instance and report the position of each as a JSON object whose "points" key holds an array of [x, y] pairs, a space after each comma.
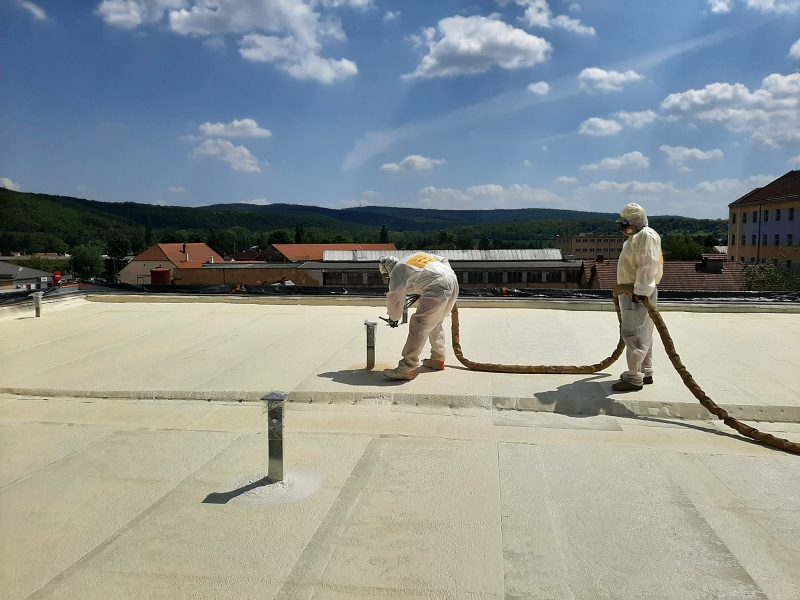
{"points": [[211, 259], [600, 258], [184, 248]]}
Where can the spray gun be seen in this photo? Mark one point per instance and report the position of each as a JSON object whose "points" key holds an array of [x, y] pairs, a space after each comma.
{"points": [[409, 301]]}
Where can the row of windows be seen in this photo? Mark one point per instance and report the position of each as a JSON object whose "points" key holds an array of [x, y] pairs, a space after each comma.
{"points": [[374, 279], [776, 240], [765, 215], [788, 264], [592, 250]]}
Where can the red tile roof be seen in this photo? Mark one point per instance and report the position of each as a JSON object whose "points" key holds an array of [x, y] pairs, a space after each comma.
{"points": [[683, 276], [784, 187], [184, 256], [298, 252]]}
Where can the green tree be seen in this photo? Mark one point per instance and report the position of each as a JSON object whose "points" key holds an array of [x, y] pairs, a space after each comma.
{"points": [[769, 277], [484, 244], [299, 234], [279, 236], [383, 238], [464, 242], [87, 261]]}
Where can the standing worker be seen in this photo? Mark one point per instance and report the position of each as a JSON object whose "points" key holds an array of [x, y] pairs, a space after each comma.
{"points": [[431, 277], [640, 265]]}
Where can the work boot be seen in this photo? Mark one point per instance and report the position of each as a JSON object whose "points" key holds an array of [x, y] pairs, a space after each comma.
{"points": [[648, 379], [625, 386], [402, 373], [432, 363]]}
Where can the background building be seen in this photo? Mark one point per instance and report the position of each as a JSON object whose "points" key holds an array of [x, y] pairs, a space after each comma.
{"points": [[764, 224], [174, 257], [591, 246]]}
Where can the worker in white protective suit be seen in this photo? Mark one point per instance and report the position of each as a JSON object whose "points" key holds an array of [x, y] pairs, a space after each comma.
{"points": [[431, 277], [641, 265]]}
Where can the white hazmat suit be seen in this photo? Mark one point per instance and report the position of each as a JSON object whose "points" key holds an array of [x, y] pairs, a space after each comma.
{"points": [[640, 265], [431, 277]]}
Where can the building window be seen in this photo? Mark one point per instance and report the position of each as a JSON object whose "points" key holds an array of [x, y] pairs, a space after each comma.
{"points": [[755, 216], [515, 277], [791, 213], [789, 239], [777, 239], [495, 277], [764, 239], [777, 214], [733, 240], [733, 218], [744, 217], [766, 215], [753, 240], [744, 240]]}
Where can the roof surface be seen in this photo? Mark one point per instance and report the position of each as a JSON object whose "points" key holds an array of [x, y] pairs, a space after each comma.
{"points": [[681, 276], [20, 272], [181, 255], [452, 255], [299, 252], [784, 187]]}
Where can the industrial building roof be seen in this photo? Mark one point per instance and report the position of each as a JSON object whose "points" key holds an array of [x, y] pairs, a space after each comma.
{"points": [[301, 252], [465, 265], [681, 276], [452, 255]]}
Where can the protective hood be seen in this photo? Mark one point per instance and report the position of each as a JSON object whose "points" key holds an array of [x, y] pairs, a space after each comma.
{"points": [[386, 264], [635, 215]]}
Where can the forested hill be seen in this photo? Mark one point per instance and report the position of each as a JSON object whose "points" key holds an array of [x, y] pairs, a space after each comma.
{"points": [[40, 222]]}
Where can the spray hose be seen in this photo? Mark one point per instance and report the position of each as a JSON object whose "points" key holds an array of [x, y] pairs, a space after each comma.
{"points": [[747, 431]]}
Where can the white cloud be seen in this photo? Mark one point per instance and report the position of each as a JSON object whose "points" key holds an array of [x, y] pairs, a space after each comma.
{"points": [[391, 15], [413, 162], [490, 195], [794, 51], [542, 88], [217, 43], [678, 155], [36, 11], [735, 187], [130, 14], [636, 119], [291, 55], [256, 201], [297, 29], [633, 187], [176, 189], [631, 160], [564, 180], [472, 45], [770, 114], [238, 157], [774, 6], [720, 6], [236, 128], [597, 126], [596, 80], [527, 163], [10, 184], [575, 7], [539, 14]]}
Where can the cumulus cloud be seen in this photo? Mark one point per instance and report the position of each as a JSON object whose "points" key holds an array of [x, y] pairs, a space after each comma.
{"points": [[636, 119], [413, 162], [10, 184], [391, 15], [564, 180], [236, 128], [490, 195], [541, 88], [596, 80], [633, 187], [297, 29], [736, 187], [720, 6], [631, 160], [794, 51], [36, 11], [238, 158], [471, 45], [770, 114], [539, 14], [599, 127], [678, 155]]}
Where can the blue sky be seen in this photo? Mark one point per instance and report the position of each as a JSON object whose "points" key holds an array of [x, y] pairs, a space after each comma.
{"points": [[679, 105]]}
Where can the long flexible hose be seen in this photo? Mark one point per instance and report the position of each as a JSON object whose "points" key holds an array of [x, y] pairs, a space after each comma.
{"points": [[669, 346]]}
